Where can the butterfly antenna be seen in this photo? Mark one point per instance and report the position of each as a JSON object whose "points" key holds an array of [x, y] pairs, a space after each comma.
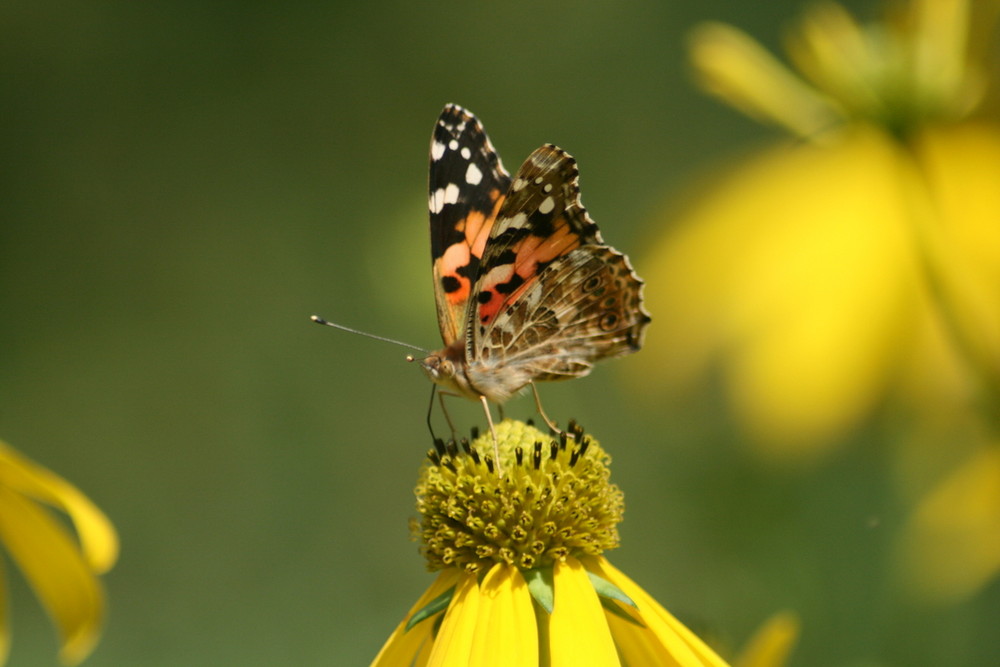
{"points": [[319, 320]]}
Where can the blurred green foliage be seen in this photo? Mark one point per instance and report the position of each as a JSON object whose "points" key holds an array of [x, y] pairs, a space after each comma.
{"points": [[184, 183]]}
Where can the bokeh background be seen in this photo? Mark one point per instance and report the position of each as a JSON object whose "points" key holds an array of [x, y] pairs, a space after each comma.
{"points": [[184, 183]]}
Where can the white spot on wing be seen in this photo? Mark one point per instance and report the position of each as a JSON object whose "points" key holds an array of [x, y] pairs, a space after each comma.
{"points": [[437, 150], [472, 175], [546, 206], [517, 222], [436, 201], [453, 144], [442, 196], [466, 153]]}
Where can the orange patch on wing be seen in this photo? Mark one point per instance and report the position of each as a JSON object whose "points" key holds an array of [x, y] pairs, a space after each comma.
{"points": [[478, 226], [454, 258], [534, 250], [489, 310]]}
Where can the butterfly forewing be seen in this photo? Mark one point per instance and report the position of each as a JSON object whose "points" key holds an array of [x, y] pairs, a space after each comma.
{"points": [[466, 187]]}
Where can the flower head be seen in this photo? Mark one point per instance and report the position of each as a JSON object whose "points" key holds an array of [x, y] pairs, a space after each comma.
{"points": [[60, 567], [522, 579], [558, 503]]}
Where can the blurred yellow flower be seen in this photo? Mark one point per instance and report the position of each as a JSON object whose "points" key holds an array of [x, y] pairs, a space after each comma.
{"points": [[823, 277], [59, 567], [522, 580]]}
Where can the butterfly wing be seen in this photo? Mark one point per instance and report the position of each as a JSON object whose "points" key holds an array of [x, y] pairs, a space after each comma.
{"points": [[467, 186], [551, 298]]}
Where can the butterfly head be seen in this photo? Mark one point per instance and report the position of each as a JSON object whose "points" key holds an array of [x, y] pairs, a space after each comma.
{"points": [[445, 367]]}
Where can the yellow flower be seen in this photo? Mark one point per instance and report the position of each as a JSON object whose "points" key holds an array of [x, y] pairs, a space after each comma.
{"points": [[522, 577], [59, 567], [824, 276]]}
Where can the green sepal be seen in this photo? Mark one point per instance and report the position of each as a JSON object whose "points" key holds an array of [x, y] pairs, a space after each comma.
{"points": [[606, 589], [541, 587], [435, 606], [613, 607]]}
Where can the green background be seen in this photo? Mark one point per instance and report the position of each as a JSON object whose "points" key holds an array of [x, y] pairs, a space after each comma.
{"points": [[184, 183]]}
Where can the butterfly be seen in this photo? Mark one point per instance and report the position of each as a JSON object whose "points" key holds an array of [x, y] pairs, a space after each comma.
{"points": [[525, 287]]}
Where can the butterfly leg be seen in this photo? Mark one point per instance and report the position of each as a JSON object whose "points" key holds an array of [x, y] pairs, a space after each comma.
{"points": [[444, 411], [493, 432], [430, 409], [538, 406]]}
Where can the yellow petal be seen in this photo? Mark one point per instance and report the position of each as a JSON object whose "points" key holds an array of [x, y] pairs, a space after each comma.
{"points": [[798, 273], [506, 633], [950, 547], [578, 630], [676, 644], [4, 621], [97, 535], [403, 645], [961, 167], [736, 68], [835, 54], [940, 35], [772, 643], [639, 646], [453, 644], [52, 563]]}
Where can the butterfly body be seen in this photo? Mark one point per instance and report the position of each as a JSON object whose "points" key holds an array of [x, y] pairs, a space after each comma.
{"points": [[525, 287]]}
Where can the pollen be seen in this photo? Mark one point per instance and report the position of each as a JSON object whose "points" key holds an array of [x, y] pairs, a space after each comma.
{"points": [[555, 500]]}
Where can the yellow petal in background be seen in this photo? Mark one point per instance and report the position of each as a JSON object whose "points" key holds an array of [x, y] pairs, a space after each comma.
{"points": [[833, 51], [733, 66], [771, 645], [97, 535], [950, 547], [796, 275], [578, 631], [51, 561], [961, 168], [4, 620]]}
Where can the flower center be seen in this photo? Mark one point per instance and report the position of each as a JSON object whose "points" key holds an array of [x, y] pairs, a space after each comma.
{"points": [[554, 500]]}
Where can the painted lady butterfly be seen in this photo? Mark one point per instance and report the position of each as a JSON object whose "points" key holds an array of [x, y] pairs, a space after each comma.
{"points": [[526, 289]]}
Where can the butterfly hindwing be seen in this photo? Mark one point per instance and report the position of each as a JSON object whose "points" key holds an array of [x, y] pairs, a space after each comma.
{"points": [[584, 306], [466, 188]]}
